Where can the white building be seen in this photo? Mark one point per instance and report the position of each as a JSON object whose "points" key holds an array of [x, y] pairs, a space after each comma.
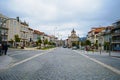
{"points": [[30, 34], [14, 29], [94, 34], [37, 34], [3, 28], [47, 37], [24, 34]]}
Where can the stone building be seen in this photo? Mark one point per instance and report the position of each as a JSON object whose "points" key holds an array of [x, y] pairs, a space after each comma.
{"points": [[73, 39]]}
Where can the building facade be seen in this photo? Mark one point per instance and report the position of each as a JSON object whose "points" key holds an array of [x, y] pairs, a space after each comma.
{"points": [[10, 27], [73, 39], [14, 29], [115, 33], [96, 38], [24, 34], [106, 36], [30, 34], [3, 28]]}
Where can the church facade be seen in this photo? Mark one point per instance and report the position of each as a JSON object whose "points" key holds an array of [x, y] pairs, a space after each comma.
{"points": [[73, 39]]}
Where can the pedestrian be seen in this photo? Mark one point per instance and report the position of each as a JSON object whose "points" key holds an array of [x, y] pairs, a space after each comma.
{"points": [[0, 49], [5, 47]]}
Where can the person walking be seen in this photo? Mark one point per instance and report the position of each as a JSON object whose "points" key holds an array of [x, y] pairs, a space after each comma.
{"points": [[0, 49], [5, 47]]}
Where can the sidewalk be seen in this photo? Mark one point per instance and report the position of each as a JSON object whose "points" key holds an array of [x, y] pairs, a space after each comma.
{"points": [[25, 48], [32, 48], [113, 60], [103, 53], [5, 60]]}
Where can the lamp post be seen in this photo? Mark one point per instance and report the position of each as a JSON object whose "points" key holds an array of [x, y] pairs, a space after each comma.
{"points": [[109, 46], [100, 46]]}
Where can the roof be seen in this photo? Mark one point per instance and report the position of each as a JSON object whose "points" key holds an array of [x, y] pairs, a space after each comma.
{"points": [[109, 27], [73, 30], [24, 23], [97, 30], [38, 32], [30, 29]]}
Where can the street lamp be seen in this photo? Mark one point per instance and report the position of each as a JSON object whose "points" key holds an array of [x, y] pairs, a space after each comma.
{"points": [[109, 46], [100, 46]]}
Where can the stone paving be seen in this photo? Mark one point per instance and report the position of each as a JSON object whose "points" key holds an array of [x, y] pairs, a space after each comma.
{"points": [[14, 55], [5, 61], [104, 57], [60, 64]]}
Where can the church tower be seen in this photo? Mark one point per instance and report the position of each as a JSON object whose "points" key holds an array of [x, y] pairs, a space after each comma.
{"points": [[73, 39]]}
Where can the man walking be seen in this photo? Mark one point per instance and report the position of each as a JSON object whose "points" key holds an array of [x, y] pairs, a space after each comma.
{"points": [[0, 49], [5, 46]]}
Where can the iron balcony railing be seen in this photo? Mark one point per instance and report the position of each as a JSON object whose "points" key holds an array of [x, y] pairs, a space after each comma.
{"points": [[116, 34], [115, 41]]}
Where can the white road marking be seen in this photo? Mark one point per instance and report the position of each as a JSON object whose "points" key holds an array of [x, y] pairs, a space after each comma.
{"points": [[103, 64], [28, 59]]}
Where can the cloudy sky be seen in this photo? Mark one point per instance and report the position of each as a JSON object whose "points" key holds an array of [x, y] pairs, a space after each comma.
{"points": [[59, 17]]}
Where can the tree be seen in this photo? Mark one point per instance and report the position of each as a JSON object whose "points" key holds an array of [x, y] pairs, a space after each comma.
{"points": [[87, 42], [96, 46], [50, 43], [82, 43], [46, 41], [17, 39], [106, 45], [39, 41]]}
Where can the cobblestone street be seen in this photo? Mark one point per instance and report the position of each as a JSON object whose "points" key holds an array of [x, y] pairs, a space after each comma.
{"points": [[57, 64]]}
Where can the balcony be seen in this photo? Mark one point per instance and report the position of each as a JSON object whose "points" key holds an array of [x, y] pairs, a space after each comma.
{"points": [[6, 28], [4, 34], [117, 26], [116, 34], [115, 41]]}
